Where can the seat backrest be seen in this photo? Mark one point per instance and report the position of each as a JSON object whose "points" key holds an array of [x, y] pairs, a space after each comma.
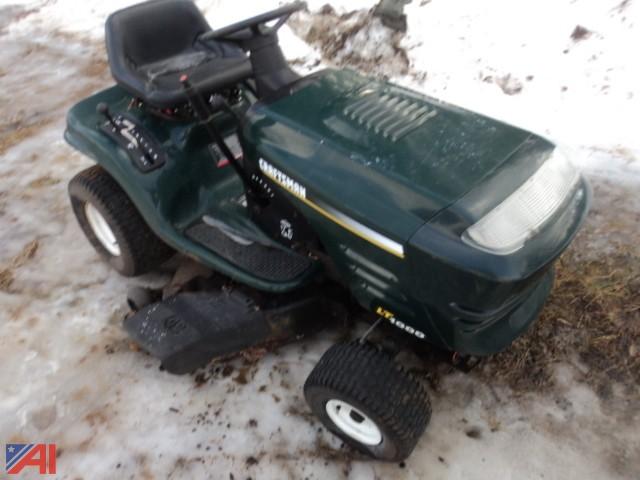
{"points": [[152, 31]]}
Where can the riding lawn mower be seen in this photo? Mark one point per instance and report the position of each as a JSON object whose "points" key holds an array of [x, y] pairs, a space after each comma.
{"points": [[314, 198]]}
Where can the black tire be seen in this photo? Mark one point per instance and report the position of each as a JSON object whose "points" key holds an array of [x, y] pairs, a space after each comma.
{"points": [[140, 249], [372, 382]]}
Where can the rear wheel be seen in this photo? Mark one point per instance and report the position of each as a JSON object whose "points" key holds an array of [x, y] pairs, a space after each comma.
{"points": [[113, 225], [362, 395]]}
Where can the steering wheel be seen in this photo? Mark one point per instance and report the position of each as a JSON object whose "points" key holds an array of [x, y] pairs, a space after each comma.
{"points": [[256, 24]]}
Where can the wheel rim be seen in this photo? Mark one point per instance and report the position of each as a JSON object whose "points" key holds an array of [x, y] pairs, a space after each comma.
{"points": [[101, 229], [353, 422]]}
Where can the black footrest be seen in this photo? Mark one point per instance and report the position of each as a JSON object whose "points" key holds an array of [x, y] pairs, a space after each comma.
{"points": [[187, 330], [266, 262]]}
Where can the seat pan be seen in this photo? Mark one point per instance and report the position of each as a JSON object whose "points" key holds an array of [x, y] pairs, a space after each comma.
{"points": [[152, 44], [206, 73]]}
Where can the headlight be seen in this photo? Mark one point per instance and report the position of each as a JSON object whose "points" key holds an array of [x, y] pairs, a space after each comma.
{"points": [[508, 226]]}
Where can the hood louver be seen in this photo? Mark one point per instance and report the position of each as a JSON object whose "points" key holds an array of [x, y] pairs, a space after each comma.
{"points": [[389, 115]]}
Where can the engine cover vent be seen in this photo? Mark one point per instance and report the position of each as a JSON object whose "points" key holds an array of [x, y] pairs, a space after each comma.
{"points": [[391, 115]]}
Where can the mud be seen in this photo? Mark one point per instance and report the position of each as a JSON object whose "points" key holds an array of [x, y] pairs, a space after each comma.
{"points": [[346, 40]]}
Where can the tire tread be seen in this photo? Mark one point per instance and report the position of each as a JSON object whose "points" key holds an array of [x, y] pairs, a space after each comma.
{"points": [[142, 249], [373, 379]]}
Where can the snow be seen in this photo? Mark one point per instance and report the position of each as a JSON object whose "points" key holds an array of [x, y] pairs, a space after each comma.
{"points": [[581, 93], [69, 375]]}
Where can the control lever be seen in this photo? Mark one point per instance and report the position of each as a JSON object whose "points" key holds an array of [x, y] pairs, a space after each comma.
{"points": [[103, 109], [204, 111], [145, 153], [217, 102]]}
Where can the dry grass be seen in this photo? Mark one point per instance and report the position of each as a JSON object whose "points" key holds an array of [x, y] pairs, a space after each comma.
{"points": [[592, 319], [7, 273], [6, 279], [14, 133], [44, 181]]}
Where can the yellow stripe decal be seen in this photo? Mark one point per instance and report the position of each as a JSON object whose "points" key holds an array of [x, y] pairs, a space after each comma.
{"points": [[345, 222]]}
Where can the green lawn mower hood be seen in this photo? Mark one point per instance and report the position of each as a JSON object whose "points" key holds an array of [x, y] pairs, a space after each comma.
{"points": [[388, 157], [422, 153], [455, 212]]}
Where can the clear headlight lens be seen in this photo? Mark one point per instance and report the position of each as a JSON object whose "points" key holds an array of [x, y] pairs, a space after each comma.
{"points": [[507, 227]]}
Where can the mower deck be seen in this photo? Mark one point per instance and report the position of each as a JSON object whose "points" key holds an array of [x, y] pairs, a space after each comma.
{"points": [[188, 329]]}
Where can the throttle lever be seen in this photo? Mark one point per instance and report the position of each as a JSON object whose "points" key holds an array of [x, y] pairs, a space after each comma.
{"points": [[103, 109]]}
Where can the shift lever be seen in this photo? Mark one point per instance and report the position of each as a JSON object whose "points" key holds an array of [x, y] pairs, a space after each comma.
{"points": [[103, 109], [145, 152]]}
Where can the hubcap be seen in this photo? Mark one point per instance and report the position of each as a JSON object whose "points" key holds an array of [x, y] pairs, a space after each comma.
{"points": [[101, 229], [353, 422]]}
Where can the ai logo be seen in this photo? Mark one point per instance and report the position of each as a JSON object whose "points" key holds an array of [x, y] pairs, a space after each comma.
{"points": [[21, 455], [286, 229]]}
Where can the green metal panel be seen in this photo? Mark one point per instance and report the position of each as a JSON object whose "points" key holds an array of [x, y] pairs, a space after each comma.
{"points": [[325, 133], [175, 196]]}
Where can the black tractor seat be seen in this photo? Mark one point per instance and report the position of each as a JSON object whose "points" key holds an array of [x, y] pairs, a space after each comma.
{"points": [[151, 45]]}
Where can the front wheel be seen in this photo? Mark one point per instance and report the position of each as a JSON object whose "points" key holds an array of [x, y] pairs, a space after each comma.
{"points": [[362, 395], [113, 225]]}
